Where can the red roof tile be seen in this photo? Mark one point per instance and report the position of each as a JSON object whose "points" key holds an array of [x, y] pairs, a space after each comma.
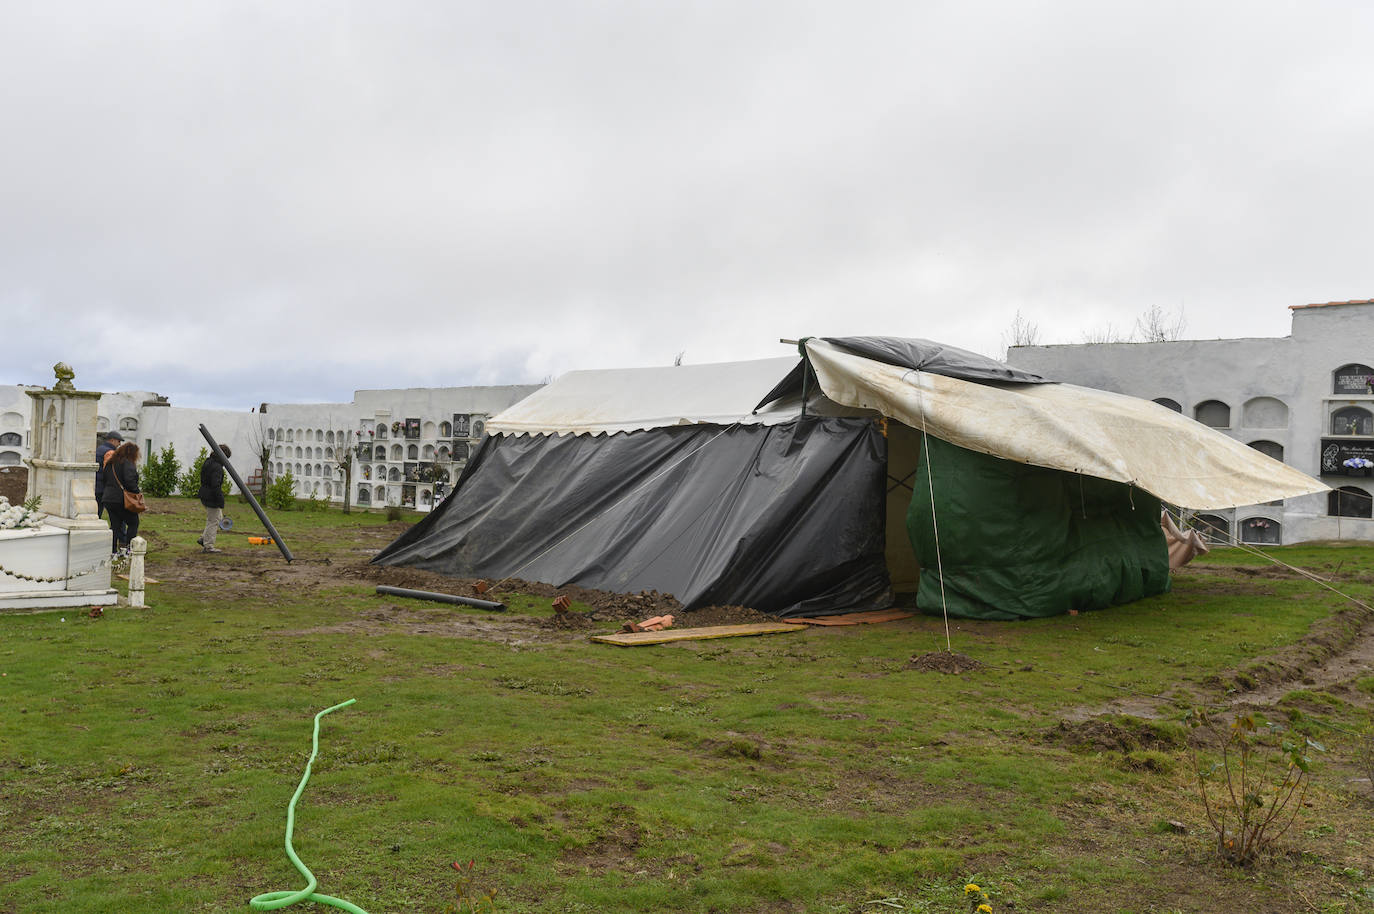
{"points": [[1366, 301]]}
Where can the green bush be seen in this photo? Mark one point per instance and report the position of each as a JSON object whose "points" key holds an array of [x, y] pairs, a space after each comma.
{"points": [[188, 484], [281, 494], [160, 473]]}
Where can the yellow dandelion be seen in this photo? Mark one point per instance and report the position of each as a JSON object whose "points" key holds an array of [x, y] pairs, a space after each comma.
{"points": [[984, 909], [971, 888]]}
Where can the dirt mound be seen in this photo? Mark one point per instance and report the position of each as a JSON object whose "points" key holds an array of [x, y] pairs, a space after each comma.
{"points": [[950, 662], [1123, 734]]}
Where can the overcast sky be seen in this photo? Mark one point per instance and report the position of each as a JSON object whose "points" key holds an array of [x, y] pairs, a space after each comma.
{"points": [[238, 202]]}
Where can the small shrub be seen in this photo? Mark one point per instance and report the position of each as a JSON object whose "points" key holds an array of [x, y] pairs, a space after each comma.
{"points": [[1254, 792], [314, 502], [470, 899], [188, 484], [281, 494], [393, 513], [159, 478]]}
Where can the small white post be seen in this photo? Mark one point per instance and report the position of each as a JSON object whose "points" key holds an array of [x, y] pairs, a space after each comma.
{"points": [[138, 548]]}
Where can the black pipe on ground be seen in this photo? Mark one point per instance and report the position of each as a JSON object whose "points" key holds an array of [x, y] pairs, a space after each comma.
{"points": [[439, 597], [238, 480]]}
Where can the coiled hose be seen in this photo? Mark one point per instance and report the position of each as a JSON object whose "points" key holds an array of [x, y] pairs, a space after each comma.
{"points": [[271, 901]]}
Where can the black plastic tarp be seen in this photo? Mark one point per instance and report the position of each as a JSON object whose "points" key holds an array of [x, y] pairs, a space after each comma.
{"points": [[913, 353], [787, 518]]}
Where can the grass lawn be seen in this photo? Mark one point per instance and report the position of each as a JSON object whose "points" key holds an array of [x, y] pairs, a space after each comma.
{"points": [[147, 757]]}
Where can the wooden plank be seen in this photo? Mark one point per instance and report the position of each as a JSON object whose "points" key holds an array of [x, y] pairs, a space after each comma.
{"points": [[864, 618], [632, 639]]}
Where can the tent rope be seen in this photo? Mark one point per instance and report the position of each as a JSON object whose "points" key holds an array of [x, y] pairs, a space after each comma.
{"points": [[934, 523], [1232, 540]]}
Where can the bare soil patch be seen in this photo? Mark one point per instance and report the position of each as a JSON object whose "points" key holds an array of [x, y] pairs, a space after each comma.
{"points": [[948, 662]]}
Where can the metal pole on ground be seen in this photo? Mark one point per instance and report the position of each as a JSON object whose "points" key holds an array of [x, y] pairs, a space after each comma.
{"points": [[238, 481]]}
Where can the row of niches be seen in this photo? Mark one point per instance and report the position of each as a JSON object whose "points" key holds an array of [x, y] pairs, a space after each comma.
{"points": [[1259, 529], [1346, 501], [307, 434], [1260, 412], [126, 424], [409, 496], [1354, 379], [443, 452], [462, 425], [405, 472]]}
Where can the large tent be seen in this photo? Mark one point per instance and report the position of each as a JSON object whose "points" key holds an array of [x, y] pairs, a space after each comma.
{"points": [[803, 488]]}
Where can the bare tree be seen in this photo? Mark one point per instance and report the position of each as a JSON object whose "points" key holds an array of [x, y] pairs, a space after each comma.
{"points": [[262, 448], [1155, 326], [1021, 333], [1107, 334]]}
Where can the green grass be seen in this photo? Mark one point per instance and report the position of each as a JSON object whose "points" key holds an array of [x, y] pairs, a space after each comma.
{"points": [[147, 757]]}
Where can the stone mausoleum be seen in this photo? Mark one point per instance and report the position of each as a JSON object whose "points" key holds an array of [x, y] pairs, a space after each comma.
{"points": [[1306, 399]]}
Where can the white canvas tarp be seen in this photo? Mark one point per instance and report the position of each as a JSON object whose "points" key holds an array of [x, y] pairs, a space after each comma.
{"points": [[633, 399], [1064, 427]]}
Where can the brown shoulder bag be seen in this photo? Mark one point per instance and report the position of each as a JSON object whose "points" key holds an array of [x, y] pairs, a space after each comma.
{"points": [[133, 501]]}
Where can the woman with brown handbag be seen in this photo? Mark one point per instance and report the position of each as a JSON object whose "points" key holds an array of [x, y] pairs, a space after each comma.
{"points": [[121, 477]]}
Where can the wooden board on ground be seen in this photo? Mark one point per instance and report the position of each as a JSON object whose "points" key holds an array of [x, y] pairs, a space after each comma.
{"points": [[632, 639], [864, 618], [125, 577]]}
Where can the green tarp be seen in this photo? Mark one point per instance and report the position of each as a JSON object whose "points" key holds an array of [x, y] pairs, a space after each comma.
{"points": [[1019, 541]]}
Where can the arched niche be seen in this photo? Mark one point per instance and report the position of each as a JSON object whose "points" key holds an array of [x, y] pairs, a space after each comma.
{"points": [[413, 452], [1169, 404], [1269, 449], [1213, 527], [393, 474], [364, 496], [1354, 378], [1264, 412], [1261, 531], [1349, 501], [11, 439], [9, 459], [1214, 413], [1352, 420], [397, 453], [445, 429], [428, 429], [128, 424]]}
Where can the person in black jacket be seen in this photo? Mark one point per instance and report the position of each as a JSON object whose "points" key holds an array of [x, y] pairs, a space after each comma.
{"points": [[103, 450], [121, 475], [212, 496]]}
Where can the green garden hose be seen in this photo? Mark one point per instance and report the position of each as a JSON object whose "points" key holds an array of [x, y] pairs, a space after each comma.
{"points": [[271, 901]]}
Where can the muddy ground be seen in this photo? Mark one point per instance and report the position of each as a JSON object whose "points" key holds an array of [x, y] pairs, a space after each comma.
{"points": [[1331, 657], [242, 570]]}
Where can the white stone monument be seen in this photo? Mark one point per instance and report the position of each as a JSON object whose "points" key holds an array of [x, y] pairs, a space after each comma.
{"points": [[66, 561]]}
